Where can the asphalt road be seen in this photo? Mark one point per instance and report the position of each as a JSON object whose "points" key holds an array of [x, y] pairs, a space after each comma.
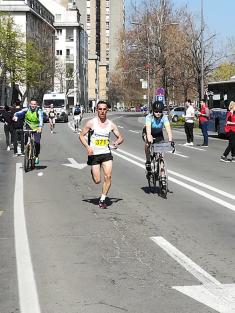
{"points": [[60, 253]]}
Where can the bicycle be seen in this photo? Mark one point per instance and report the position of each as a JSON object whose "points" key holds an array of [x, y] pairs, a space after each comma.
{"points": [[158, 167], [29, 150]]}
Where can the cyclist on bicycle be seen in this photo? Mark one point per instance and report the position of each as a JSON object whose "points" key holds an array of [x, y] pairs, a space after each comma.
{"points": [[153, 130], [33, 118], [77, 117], [51, 116]]}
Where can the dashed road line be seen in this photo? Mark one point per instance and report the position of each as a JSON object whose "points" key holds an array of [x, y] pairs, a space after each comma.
{"points": [[134, 131], [1, 213]]}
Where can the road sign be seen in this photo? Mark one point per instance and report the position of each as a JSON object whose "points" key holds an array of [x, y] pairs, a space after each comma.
{"points": [[144, 84], [160, 98], [160, 91]]}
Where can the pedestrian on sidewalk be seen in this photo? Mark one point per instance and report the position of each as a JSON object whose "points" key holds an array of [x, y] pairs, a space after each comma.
{"points": [[189, 122], [204, 115], [230, 130], [18, 134], [6, 118]]}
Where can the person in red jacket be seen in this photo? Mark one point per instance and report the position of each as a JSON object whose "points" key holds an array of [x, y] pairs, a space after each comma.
{"points": [[230, 129], [204, 115]]}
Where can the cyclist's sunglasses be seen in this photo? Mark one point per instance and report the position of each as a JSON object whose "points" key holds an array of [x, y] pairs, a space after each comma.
{"points": [[157, 111]]}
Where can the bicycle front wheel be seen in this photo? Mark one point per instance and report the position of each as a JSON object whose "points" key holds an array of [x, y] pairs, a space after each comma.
{"points": [[152, 176], [163, 181], [26, 158], [32, 154]]}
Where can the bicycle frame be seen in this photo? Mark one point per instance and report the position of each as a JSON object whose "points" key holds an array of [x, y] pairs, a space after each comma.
{"points": [[158, 168]]}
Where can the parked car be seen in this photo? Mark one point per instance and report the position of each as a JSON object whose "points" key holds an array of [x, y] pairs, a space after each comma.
{"points": [[177, 112]]}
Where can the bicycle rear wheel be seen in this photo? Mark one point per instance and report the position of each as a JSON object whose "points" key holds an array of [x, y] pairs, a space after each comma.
{"points": [[152, 176], [163, 181], [26, 158]]}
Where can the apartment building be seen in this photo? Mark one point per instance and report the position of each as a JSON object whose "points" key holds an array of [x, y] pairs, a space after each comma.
{"points": [[103, 20], [36, 24], [70, 52]]}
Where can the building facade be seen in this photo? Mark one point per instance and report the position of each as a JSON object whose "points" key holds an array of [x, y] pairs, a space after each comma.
{"points": [[103, 20], [70, 52], [36, 24]]}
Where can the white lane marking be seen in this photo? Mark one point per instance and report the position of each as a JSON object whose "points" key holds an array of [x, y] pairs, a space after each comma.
{"points": [[179, 154], [184, 261], [120, 126], [196, 182], [187, 186], [40, 174], [143, 160], [1, 213], [191, 147], [134, 131], [211, 293], [75, 164], [28, 295]]}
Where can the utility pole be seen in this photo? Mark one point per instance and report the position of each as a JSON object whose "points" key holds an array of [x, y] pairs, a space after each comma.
{"points": [[202, 51]]}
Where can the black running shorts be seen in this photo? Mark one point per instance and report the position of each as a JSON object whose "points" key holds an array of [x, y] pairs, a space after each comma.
{"points": [[99, 159]]}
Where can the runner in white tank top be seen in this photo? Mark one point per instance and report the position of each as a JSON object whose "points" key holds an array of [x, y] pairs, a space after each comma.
{"points": [[98, 147], [99, 140]]}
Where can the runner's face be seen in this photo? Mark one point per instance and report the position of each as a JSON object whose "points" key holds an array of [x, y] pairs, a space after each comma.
{"points": [[33, 105], [102, 110]]}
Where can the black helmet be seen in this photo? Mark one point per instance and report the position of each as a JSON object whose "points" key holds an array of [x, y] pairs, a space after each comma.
{"points": [[158, 106]]}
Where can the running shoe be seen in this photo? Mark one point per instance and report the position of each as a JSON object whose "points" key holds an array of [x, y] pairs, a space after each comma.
{"points": [[224, 159], [102, 204], [36, 160]]}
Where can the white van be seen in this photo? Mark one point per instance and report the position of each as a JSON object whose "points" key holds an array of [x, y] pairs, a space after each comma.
{"points": [[60, 104]]}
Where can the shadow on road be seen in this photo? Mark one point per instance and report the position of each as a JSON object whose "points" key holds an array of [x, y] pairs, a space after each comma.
{"points": [[40, 167], [109, 201]]}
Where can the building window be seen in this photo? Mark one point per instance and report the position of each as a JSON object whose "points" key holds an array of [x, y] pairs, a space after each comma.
{"points": [[88, 18], [107, 25], [58, 52], [58, 17], [88, 4], [59, 32]]}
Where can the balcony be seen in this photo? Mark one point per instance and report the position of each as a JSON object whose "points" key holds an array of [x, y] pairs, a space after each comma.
{"points": [[70, 58], [69, 39]]}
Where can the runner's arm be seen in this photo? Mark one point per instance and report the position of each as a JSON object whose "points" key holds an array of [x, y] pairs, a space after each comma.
{"points": [[20, 113], [88, 126], [117, 133]]}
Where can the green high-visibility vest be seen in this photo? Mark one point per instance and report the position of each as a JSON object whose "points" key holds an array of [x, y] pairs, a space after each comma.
{"points": [[32, 119]]}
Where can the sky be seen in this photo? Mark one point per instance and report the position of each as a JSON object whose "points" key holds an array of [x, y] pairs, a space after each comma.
{"points": [[218, 14]]}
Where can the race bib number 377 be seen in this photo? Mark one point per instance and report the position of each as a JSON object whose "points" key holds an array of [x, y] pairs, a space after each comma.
{"points": [[101, 142]]}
